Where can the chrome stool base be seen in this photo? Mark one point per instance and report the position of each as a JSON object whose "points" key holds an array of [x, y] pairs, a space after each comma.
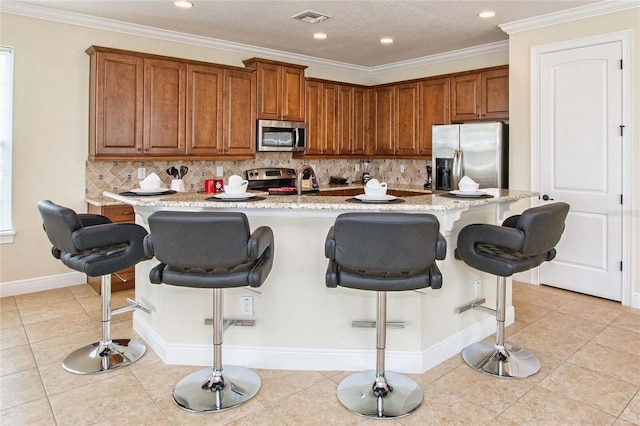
{"points": [[403, 397], [501, 361], [240, 385], [100, 358]]}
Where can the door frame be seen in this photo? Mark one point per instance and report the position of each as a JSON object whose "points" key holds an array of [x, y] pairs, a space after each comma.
{"points": [[629, 187]]}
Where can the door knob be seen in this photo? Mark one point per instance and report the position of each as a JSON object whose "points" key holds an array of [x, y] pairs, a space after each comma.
{"points": [[545, 197]]}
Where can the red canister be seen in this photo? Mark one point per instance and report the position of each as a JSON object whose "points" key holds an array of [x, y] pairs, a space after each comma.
{"points": [[213, 185]]}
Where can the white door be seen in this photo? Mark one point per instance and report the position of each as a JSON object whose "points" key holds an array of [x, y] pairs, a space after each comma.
{"points": [[580, 110]]}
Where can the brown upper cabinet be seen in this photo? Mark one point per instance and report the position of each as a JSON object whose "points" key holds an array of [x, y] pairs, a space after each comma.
{"points": [[154, 106], [220, 103], [480, 96], [396, 120], [353, 119], [280, 91], [337, 118], [434, 109]]}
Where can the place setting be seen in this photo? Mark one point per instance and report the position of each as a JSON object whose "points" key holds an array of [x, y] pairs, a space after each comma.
{"points": [[149, 186], [467, 188], [375, 192], [235, 190]]}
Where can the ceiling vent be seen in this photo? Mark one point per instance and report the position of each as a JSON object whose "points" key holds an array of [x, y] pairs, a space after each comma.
{"points": [[311, 17]]}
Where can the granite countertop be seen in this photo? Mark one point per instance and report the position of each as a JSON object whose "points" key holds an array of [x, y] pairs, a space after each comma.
{"points": [[428, 201]]}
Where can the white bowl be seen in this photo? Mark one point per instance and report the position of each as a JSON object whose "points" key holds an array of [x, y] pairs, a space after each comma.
{"points": [[235, 189], [375, 191], [468, 187]]}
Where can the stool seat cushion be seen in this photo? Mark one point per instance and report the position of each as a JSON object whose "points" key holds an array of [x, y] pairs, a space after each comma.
{"points": [[384, 251], [91, 244], [208, 250], [521, 243]]}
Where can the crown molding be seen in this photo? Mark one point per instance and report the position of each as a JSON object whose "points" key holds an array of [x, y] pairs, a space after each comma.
{"points": [[582, 12], [34, 11]]}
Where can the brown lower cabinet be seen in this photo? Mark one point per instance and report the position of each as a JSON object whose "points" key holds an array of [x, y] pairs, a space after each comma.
{"points": [[122, 214]]}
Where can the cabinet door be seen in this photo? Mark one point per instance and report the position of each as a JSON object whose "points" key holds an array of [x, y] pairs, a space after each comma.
{"points": [[314, 117], [360, 121], [330, 119], [269, 83], [384, 121], [116, 107], [345, 119], [406, 123], [292, 107], [434, 109], [465, 97], [164, 107], [495, 94], [204, 109], [239, 128]]}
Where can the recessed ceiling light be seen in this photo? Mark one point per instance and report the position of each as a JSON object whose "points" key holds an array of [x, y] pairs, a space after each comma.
{"points": [[487, 14], [319, 36], [386, 40], [184, 4]]}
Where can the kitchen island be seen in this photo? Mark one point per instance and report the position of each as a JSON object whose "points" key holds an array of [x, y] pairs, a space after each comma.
{"points": [[301, 324]]}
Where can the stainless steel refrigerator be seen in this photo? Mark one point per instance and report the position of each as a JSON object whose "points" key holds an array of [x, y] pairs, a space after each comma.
{"points": [[478, 150]]}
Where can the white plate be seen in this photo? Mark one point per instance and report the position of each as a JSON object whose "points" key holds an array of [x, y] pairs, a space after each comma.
{"points": [[149, 190], [243, 196], [374, 198], [459, 193]]}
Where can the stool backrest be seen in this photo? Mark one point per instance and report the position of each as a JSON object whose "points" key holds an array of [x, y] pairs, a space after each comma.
{"points": [[386, 242], [199, 239], [543, 227], [59, 224]]}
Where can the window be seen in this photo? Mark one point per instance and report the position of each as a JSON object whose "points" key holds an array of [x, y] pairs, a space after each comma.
{"points": [[6, 121]]}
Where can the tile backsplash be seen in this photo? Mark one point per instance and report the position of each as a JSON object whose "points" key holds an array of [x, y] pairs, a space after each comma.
{"points": [[119, 176]]}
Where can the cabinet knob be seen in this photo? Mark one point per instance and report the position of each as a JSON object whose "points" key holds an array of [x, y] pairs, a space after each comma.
{"points": [[545, 197], [146, 149], [139, 149]]}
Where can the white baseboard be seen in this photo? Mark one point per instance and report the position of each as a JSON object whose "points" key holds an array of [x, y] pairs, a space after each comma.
{"points": [[635, 300], [317, 359], [31, 285]]}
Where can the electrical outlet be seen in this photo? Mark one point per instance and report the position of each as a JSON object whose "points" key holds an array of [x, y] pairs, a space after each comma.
{"points": [[142, 173], [219, 171], [401, 168], [477, 288], [357, 167], [246, 305]]}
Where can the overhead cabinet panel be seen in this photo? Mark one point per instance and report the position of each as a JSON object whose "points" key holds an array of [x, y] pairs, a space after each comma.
{"points": [[204, 109], [164, 107], [116, 107]]}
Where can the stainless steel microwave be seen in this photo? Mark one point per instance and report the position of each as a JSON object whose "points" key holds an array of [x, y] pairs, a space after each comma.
{"points": [[288, 136]]}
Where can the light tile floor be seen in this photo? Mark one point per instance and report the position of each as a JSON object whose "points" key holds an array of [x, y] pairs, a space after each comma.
{"points": [[589, 349]]}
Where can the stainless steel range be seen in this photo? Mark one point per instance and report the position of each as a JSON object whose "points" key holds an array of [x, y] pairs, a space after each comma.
{"points": [[278, 180]]}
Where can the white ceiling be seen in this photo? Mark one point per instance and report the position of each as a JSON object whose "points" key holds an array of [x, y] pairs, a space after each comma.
{"points": [[420, 28]]}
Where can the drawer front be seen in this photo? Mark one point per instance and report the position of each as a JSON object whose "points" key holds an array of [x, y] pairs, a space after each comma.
{"points": [[122, 213]]}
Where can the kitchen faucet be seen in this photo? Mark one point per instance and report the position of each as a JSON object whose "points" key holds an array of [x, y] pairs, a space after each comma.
{"points": [[303, 169]]}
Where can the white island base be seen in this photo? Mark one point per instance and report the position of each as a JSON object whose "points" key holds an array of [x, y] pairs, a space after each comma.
{"points": [[300, 324]]}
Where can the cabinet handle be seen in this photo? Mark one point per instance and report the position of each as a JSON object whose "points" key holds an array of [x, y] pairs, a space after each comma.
{"points": [[126, 213], [139, 149], [146, 149]]}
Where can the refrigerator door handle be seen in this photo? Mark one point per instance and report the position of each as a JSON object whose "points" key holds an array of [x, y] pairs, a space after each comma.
{"points": [[457, 168]]}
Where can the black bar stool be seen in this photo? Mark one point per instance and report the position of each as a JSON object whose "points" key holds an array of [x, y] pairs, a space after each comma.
{"points": [[521, 243], [91, 244], [383, 252], [211, 250]]}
